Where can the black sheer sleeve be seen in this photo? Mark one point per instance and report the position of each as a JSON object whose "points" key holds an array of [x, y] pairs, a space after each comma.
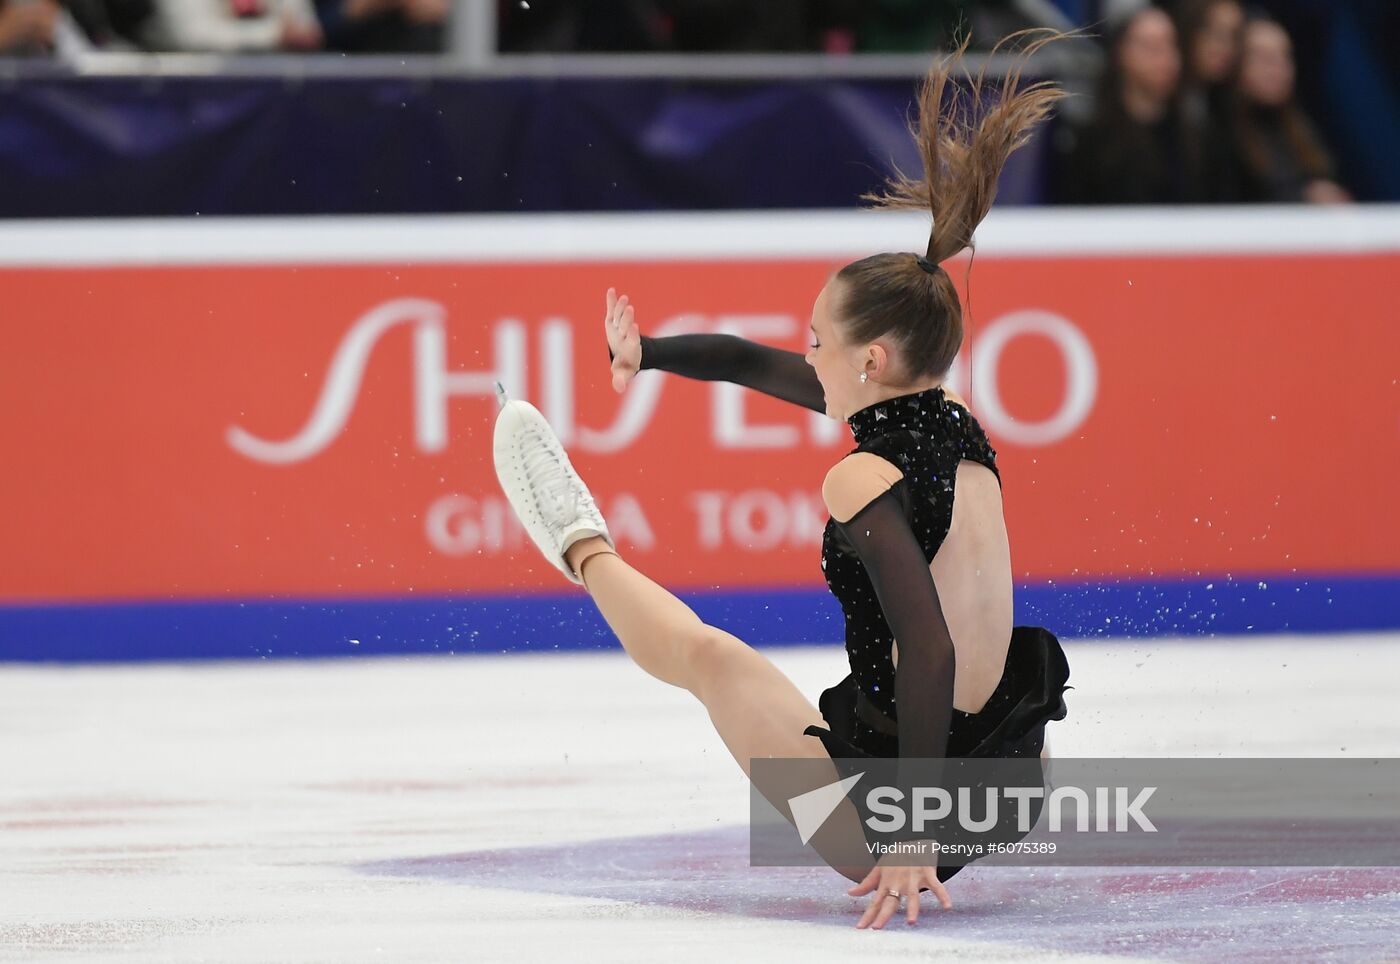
{"points": [[727, 358], [908, 598]]}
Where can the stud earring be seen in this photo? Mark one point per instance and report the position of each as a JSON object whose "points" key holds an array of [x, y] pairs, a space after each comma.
{"points": [[864, 377]]}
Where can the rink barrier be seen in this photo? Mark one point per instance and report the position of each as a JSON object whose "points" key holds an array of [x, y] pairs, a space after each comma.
{"points": [[547, 623], [231, 437]]}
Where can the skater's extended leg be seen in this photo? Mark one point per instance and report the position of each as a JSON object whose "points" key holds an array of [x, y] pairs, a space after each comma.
{"points": [[655, 628], [756, 710]]}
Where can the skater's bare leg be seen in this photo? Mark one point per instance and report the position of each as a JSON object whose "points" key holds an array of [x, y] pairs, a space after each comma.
{"points": [[665, 637], [652, 624], [757, 711]]}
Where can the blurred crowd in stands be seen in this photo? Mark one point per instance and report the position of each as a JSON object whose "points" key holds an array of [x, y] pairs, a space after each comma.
{"points": [[224, 26], [394, 26], [1195, 102], [1195, 105]]}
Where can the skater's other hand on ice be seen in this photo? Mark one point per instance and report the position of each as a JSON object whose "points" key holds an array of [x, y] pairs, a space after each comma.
{"points": [[885, 879], [624, 340]]}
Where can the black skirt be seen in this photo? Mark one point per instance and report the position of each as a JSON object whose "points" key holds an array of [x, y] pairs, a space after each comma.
{"points": [[1010, 725]]}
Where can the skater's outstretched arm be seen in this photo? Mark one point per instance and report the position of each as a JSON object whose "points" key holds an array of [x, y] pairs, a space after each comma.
{"points": [[712, 358]]}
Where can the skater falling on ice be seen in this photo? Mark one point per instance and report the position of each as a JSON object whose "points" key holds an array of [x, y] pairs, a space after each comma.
{"points": [[916, 550]]}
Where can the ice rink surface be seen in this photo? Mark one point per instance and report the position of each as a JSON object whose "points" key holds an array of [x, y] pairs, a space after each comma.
{"points": [[569, 807]]}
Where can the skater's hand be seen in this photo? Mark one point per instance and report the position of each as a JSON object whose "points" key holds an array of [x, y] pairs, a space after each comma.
{"points": [[906, 881], [624, 340]]}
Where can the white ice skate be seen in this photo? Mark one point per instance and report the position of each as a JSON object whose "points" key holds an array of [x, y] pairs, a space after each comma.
{"points": [[553, 504]]}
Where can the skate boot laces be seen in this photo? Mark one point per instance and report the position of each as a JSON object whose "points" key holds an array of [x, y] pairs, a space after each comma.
{"points": [[551, 482]]}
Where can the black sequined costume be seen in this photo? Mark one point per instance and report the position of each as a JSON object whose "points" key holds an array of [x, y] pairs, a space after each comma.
{"points": [[926, 436]]}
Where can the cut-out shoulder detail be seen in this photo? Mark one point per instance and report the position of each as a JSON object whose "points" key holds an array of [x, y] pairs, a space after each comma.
{"points": [[855, 482]]}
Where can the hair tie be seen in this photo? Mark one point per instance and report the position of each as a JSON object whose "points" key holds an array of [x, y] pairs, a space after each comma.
{"points": [[926, 264]]}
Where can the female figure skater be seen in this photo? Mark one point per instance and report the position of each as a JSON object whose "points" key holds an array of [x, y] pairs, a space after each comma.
{"points": [[916, 550]]}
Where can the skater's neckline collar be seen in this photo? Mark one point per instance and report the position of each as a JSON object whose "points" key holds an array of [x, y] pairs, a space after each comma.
{"points": [[917, 410]]}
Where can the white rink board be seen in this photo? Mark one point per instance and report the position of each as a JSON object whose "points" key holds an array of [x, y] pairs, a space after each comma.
{"points": [[688, 235]]}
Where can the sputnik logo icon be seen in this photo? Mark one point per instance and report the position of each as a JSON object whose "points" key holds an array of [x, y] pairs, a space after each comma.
{"points": [[810, 809]]}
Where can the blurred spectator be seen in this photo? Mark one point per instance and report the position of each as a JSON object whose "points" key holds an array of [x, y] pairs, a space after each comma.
{"points": [[229, 26], [1211, 34], [27, 27], [385, 26], [67, 28], [1130, 151], [1284, 158]]}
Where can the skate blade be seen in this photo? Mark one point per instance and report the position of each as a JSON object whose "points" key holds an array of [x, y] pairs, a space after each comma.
{"points": [[502, 396]]}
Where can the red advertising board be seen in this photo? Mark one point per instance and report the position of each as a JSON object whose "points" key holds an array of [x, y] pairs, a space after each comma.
{"points": [[222, 430]]}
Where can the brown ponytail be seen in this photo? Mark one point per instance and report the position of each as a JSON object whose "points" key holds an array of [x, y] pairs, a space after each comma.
{"points": [[963, 151]]}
